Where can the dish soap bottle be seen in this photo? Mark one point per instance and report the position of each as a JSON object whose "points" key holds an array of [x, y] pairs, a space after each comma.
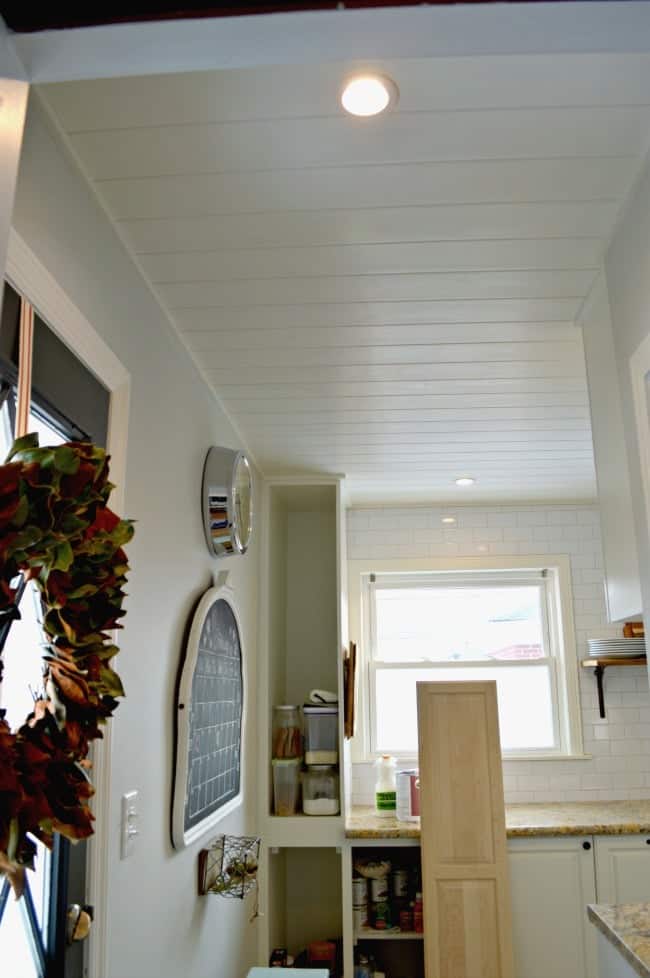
{"points": [[385, 787]]}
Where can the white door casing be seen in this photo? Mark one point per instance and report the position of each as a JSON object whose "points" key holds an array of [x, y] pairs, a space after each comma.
{"points": [[31, 278]]}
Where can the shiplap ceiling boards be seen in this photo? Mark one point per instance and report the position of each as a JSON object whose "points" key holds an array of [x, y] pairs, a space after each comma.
{"points": [[392, 298]]}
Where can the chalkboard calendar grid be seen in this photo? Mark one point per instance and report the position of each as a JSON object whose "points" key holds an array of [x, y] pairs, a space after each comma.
{"points": [[209, 745], [215, 716]]}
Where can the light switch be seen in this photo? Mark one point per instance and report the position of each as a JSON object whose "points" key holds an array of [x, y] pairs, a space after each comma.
{"points": [[129, 823]]}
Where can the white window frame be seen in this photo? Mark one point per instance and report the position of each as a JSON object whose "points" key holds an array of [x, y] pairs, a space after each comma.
{"points": [[560, 630]]}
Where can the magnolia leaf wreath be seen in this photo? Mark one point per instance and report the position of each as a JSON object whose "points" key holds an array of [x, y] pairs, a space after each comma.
{"points": [[57, 530]]}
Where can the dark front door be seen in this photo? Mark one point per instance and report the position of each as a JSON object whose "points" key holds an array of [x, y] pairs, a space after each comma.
{"points": [[68, 404]]}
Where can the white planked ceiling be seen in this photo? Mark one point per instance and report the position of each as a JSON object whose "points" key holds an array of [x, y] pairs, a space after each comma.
{"points": [[391, 298]]}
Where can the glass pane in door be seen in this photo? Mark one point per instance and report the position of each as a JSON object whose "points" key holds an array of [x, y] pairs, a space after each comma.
{"points": [[15, 950], [22, 682]]}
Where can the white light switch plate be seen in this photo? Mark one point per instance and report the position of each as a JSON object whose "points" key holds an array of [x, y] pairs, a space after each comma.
{"points": [[129, 823]]}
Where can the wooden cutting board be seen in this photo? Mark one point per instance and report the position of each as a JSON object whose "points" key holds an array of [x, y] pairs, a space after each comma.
{"points": [[466, 887]]}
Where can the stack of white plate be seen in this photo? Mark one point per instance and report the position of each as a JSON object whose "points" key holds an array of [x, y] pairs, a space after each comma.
{"points": [[624, 648]]}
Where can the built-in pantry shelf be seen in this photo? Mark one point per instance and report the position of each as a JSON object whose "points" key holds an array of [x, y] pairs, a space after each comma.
{"points": [[390, 934]]}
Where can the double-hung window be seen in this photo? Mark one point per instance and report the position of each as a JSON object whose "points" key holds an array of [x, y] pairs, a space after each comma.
{"points": [[500, 623]]}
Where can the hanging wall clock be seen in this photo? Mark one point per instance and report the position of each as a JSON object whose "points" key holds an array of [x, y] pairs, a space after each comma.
{"points": [[227, 502]]}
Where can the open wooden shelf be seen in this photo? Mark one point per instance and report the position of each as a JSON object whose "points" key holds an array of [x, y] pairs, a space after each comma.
{"points": [[600, 663], [391, 934]]}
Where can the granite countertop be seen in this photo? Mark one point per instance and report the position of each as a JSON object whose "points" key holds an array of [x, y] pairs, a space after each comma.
{"points": [[627, 927], [561, 818]]}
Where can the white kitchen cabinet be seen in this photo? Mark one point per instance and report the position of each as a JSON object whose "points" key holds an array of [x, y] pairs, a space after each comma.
{"points": [[622, 579], [622, 868], [552, 881], [611, 962]]}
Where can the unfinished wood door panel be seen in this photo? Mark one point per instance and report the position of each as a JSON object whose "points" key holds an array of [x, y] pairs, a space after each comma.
{"points": [[467, 928]]}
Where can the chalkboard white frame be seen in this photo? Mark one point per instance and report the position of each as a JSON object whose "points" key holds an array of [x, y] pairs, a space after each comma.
{"points": [[182, 837]]}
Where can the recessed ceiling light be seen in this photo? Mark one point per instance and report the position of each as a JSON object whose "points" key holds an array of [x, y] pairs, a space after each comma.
{"points": [[482, 549], [448, 519], [465, 480], [367, 95]]}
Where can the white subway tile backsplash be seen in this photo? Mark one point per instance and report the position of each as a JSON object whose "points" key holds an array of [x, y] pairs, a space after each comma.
{"points": [[471, 517], [619, 744], [500, 517], [562, 516]]}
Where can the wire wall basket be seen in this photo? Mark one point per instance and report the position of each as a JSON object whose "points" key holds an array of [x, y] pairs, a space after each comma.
{"points": [[228, 867]]}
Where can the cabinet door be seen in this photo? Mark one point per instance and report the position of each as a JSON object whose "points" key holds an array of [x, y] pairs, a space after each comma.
{"points": [[552, 881], [467, 927], [623, 868]]}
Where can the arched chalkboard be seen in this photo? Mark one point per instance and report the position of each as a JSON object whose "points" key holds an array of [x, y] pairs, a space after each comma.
{"points": [[209, 720]]}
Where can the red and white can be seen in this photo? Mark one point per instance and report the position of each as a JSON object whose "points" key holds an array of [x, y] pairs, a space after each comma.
{"points": [[408, 796]]}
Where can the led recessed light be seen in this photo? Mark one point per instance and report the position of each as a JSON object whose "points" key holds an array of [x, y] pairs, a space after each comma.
{"points": [[448, 519], [366, 95], [465, 480]]}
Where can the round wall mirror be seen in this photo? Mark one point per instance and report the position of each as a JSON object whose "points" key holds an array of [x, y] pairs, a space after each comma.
{"points": [[227, 501]]}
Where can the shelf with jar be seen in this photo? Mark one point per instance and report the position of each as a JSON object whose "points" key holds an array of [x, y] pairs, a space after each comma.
{"points": [[300, 749], [305, 759]]}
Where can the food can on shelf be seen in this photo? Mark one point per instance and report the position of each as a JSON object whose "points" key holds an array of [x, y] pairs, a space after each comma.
{"points": [[406, 920], [380, 915], [418, 918], [379, 889], [359, 918], [359, 892], [400, 883], [278, 957]]}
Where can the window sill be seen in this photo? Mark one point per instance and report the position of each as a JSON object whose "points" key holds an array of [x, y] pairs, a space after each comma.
{"points": [[405, 762]]}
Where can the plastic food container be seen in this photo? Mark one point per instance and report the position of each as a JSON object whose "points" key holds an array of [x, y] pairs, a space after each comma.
{"points": [[286, 786], [321, 734], [320, 790], [287, 735]]}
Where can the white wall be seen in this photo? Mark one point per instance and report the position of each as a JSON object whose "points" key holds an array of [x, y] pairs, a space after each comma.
{"points": [[159, 928], [620, 744], [627, 269]]}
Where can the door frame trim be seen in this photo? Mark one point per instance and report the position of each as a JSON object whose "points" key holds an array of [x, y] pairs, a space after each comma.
{"points": [[31, 278]]}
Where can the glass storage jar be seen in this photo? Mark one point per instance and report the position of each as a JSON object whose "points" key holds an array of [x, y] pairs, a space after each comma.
{"points": [[286, 785], [287, 735], [321, 734], [320, 790]]}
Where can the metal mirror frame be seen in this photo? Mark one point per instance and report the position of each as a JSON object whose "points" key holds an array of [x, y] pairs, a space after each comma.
{"points": [[223, 534]]}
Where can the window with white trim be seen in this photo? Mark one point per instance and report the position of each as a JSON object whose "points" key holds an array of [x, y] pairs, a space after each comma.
{"points": [[505, 624]]}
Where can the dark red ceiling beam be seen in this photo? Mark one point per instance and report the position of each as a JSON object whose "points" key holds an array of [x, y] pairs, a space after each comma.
{"points": [[28, 18]]}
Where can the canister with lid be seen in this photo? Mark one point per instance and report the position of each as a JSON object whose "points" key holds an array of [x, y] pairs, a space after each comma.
{"points": [[320, 790], [286, 785], [287, 735], [321, 733]]}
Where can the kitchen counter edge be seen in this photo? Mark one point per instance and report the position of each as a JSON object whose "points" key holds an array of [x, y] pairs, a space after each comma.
{"points": [[626, 927], [524, 820]]}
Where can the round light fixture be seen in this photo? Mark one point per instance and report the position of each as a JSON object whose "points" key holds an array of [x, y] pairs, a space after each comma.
{"points": [[366, 95], [448, 519], [465, 480]]}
